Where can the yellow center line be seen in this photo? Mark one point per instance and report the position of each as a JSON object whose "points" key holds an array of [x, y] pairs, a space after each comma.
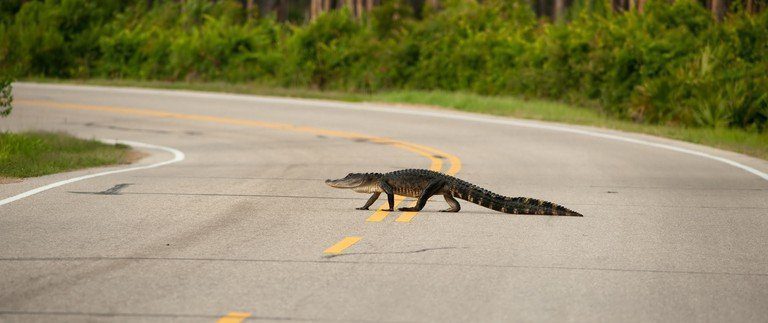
{"points": [[436, 164], [455, 168], [434, 155], [454, 160], [341, 245], [380, 214], [407, 216], [234, 317]]}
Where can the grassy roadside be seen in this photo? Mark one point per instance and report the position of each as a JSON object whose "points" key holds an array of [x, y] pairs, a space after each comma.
{"points": [[741, 141], [30, 154]]}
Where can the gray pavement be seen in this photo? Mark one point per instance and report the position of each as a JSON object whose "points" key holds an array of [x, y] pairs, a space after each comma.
{"points": [[242, 223]]}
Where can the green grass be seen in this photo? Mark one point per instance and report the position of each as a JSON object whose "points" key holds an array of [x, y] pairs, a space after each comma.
{"points": [[30, 154], [241, 88], [745, 142], [741, 141]]}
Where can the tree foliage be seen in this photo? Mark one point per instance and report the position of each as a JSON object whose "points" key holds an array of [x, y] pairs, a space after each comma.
{"points": [[6, 97], [672, 64]]}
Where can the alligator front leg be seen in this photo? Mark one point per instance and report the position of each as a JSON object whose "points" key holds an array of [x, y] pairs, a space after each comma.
{"points": [[390, 194], [373, 198]]}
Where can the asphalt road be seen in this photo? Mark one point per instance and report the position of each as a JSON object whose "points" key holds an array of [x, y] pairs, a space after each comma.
{"points": [[244, 224]]}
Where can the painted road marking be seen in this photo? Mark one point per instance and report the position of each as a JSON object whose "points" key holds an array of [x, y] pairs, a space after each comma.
{"points": [[341, 245], [407, 216], [177, 157], [436, 164], [234, 317], [378, 108], [419, 149], [380, 214], [434, 155]]}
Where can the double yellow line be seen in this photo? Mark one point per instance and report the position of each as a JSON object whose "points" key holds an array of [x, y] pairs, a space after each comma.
{"points": [[234, 317], [435, 156], [436, 164]]}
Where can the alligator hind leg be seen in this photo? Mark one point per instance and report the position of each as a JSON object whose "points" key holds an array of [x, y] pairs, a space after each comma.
{"points": [[430, 190], [373, 198], [455, 206]]}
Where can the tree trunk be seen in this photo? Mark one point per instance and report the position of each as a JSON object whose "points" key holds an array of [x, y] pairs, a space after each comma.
{"points": [[541, 8], [640, 6], [359, 8], [313, 5], [249, 9], [282, 10], [718, 9], [559, 13], [616, 5]]}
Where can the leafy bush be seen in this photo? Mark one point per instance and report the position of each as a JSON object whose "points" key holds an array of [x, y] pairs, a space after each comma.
{"points": [[670, 65], [56, 38], [194, 41], [6, 96]]}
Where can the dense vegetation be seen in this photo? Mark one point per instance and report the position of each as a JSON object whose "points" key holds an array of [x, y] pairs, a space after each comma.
{"points": [[6, 96], [672, 64]]}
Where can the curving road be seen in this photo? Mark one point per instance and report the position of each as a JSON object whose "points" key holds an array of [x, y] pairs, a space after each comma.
{"points": [[245, 228]]}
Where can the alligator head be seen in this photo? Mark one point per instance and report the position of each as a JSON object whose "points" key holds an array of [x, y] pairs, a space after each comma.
{"points": [[358, 182]]}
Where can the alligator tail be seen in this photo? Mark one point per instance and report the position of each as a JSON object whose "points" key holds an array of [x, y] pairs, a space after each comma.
{"points": [[512, 205]]}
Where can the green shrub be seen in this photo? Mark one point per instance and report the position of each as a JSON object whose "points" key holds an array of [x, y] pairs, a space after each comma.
{"points": [[321, 53], [57, 38], [6, 96], [670, 65], [194, 41]]}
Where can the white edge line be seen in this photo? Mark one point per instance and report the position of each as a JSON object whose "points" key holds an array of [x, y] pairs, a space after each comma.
{"points": [[376, 108], [177, 157]]}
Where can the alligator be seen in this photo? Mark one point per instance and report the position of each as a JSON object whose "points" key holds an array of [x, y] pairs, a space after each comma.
{"points": [[423, 184]]}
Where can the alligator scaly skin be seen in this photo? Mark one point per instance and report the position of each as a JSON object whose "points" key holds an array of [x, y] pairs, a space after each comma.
{"points": [[414, 182]]}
